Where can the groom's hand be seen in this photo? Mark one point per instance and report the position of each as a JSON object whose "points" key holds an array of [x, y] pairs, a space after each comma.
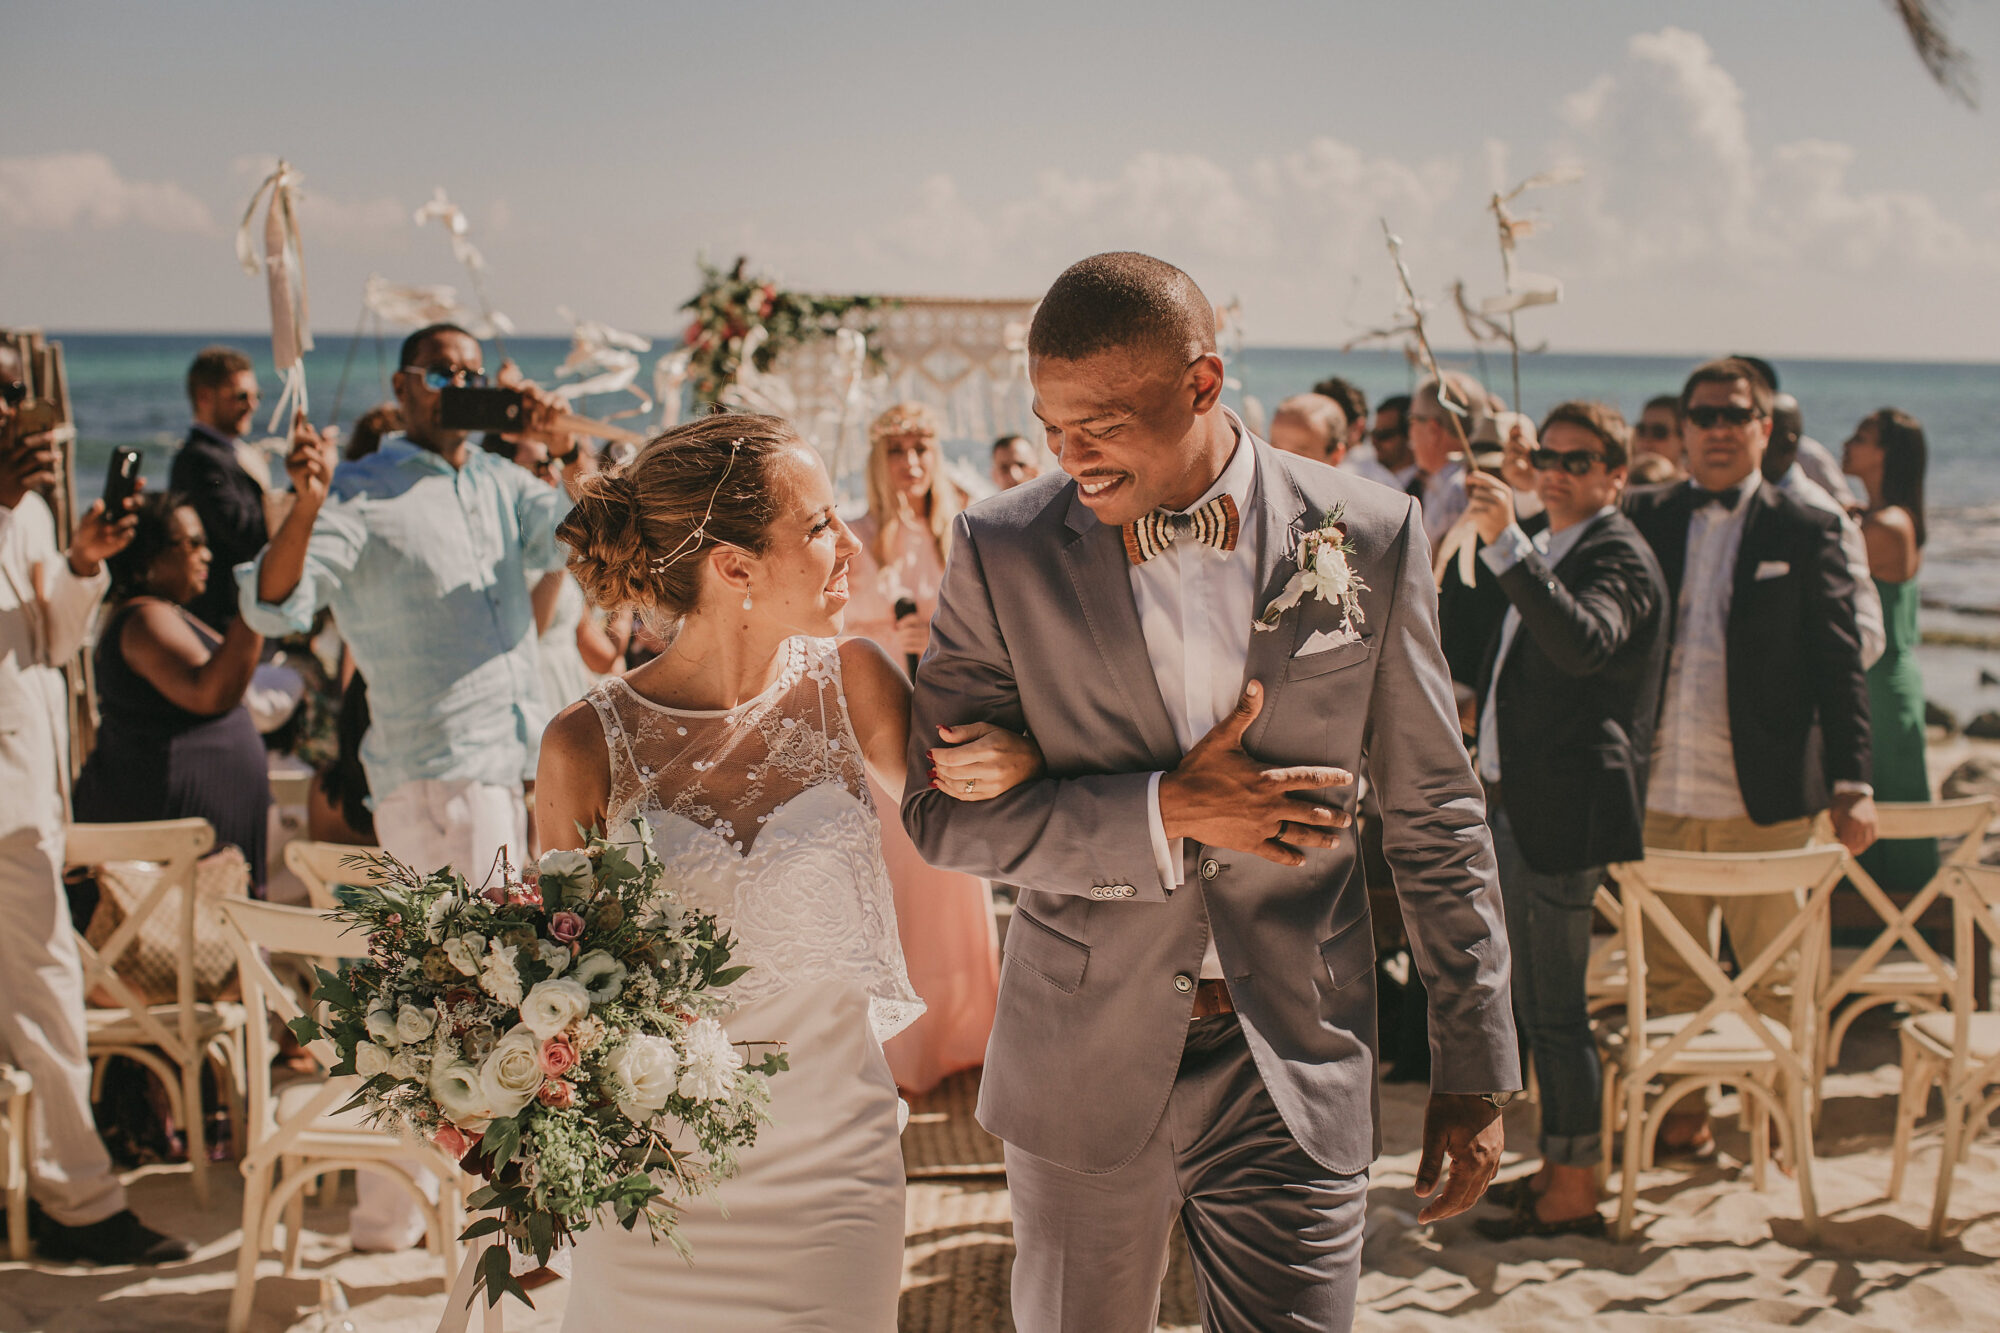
{"points": [[1465, 1130], [1221, 796]]}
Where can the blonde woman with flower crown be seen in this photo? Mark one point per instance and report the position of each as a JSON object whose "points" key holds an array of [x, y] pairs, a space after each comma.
{"points": [[946, 917], [746, 749]]}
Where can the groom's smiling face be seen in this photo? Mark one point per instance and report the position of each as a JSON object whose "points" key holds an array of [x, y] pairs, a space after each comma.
{"points": [[1134, 426]]}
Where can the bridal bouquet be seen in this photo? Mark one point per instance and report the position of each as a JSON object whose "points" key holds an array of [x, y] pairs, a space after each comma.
{"points": [[558, 1032]]}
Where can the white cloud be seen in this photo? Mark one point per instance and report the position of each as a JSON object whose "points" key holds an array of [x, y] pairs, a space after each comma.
{"points": [[59, 191]]}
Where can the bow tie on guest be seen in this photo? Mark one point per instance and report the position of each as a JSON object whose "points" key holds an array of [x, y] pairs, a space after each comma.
{"points": [[1726, 497], [1213, 524]]}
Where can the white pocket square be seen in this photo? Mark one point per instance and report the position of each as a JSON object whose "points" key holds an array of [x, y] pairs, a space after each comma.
{"points": [[1322, 640], [1772, 569]]}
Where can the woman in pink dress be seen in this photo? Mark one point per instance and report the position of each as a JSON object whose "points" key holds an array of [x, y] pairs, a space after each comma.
{"points": [[946, 919]]}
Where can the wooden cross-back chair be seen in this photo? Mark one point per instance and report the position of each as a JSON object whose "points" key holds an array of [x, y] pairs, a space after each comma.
{"points": [[174, 1040], [1899, 966], [291, 1135], [1727, 1042]]}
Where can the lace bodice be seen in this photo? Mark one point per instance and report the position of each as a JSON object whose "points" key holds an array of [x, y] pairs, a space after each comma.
{"points": [[762, 812]]}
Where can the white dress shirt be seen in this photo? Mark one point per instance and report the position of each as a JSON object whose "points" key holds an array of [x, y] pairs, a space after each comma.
{"points": [[1501, 556], [1694, 754], [1196, 608], [1867, 601], [1444, 500]]}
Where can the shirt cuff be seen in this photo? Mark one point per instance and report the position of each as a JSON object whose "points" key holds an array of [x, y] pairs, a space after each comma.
{"points": [[294, 615], [1166, 851], [1511, 548], [1845, 785]]}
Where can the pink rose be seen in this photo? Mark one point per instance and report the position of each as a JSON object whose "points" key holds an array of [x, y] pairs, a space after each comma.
{"points": [[494, 893], [566, 927], [558, 1057], [556, 1094], [452, 1140]]}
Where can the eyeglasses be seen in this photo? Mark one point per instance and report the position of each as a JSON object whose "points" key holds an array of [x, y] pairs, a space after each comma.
{"points": [[1655, 430], [439, 378], [15, 393], [1735, 414], [1576, 462], [1384, 434]]}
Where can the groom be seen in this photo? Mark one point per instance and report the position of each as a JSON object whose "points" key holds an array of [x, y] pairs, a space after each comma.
{"points": [[1186, 1020]]}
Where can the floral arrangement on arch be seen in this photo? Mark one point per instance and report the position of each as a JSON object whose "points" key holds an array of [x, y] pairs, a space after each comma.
{"points": [[731, 303], [559, 1032]]}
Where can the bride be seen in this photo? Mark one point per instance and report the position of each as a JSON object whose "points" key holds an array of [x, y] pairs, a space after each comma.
{"points": [[746, 747]]}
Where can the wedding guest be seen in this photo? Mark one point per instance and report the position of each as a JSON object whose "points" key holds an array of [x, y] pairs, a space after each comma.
{"points": [[1887, 455], [1353, 404], [561, 609], [1014, 461], [1311, 425], [1387, 459], [223, 476], [1782, 469], [423, 551], [1652, 470], [48, 598], [369, 428], [946, 918], [1438, 446], [1765, 651], [337, 806], [1569, 696], [1658, 434], [1817, 460], [175, 740]]}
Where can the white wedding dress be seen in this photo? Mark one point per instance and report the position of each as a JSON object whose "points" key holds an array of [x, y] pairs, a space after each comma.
{"points": [[763, 814]]}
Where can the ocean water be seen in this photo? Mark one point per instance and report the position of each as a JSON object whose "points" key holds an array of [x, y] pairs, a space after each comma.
{"points": [[127, 389]]}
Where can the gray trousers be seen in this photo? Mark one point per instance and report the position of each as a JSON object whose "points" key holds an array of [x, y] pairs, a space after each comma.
{"points": [[1274, 1236]]}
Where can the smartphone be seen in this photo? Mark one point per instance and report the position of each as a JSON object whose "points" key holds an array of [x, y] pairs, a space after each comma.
{"points": [[498, 410], [120, 480]]}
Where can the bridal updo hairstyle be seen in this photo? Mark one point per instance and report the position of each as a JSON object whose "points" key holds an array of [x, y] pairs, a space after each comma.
{"points": [[640, 536]]}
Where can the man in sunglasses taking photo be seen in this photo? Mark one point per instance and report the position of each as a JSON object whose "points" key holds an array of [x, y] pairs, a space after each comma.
{"points": [[1766, 652], [425, 551], [1568, 698]]}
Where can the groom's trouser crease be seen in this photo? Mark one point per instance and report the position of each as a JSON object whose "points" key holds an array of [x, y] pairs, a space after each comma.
{"points": [[1275, 1237]]}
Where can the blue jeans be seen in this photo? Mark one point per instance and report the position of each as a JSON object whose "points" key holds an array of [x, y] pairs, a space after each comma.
{"points": [[1548, 930]]}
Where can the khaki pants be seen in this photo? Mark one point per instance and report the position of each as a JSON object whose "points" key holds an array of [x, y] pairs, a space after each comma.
{"points": [[1671, 988]]}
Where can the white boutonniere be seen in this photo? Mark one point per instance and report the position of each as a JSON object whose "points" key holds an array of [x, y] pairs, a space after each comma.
{"points": [[1325, 573]]}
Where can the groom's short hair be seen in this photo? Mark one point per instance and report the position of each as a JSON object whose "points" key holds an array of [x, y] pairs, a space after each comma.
{"points": [[1122, 299]]}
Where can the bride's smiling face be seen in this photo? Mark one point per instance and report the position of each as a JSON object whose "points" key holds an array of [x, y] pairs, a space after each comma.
{"points": [[799, 584]]}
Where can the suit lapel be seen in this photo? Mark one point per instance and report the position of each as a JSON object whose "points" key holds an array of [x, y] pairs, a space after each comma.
{"points": [[1669, 533], [1752, 549], [1095, 557], [1275, 526]]}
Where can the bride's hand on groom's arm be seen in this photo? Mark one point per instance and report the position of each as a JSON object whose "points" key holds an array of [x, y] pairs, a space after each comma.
{"points": [[1222, 796], [979, 761]]}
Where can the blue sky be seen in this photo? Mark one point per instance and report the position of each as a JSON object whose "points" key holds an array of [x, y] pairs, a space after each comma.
{"points": [[1781, 175]]}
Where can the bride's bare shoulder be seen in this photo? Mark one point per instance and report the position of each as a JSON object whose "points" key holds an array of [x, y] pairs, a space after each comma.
{"points": [[871, 677], [574, 745]]}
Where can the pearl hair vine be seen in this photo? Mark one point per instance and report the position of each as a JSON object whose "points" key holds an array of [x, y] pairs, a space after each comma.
{"points": [[692, 542]]}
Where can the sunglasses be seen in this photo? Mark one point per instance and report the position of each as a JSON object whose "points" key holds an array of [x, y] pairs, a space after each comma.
{"points": [[439, 378], [1655, 430], [15, 393], [1734, 414], [1576, 462]]}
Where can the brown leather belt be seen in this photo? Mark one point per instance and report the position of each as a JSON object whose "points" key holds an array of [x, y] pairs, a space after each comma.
{"points": [[1211, 997]]}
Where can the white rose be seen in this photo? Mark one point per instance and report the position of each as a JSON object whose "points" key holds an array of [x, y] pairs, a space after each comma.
{"points": [[552, 1006], [405, 1065], [455, 1088], [381, 1025], [370, 1059], [465, 952], [512, 1075], [414, 1024], [554, 957], [663, 913], [711, 1063], [441, 907], [643, 1074], [500, 978], [601, 975], [570, 866]]}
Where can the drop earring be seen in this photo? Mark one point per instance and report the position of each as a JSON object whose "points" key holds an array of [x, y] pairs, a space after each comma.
{"points": [[746, 601]]}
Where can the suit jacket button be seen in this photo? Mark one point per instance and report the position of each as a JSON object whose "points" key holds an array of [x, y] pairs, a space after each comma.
{"points": [[1183, 983], [1211, 868]]}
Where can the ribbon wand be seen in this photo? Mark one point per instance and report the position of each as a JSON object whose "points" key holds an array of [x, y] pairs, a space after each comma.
{"points": [[284, 268]]}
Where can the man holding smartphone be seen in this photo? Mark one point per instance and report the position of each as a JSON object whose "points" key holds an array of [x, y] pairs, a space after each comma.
{"points": [[48, 598], [425, 551]]}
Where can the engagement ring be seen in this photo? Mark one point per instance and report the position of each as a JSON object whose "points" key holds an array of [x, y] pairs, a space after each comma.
{"points": [[970, 783]]}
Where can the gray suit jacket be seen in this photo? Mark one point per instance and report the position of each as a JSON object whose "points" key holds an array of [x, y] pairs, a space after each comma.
{"points": [[1036, 628]]}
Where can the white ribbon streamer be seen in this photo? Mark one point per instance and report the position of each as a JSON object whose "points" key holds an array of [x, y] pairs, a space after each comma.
{"points": [[284, 268]]}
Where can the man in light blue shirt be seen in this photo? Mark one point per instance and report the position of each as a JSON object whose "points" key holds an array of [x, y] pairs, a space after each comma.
{"points": [[424, 552]]}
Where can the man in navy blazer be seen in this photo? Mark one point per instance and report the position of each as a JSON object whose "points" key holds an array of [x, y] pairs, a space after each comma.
{"points": [[222, 391]]}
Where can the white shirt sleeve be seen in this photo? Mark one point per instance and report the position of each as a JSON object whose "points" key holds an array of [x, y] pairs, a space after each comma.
{"points": [[1166, 851]]}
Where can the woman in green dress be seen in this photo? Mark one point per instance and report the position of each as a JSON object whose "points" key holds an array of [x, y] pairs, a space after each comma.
{"points": [[1887, 455]]}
